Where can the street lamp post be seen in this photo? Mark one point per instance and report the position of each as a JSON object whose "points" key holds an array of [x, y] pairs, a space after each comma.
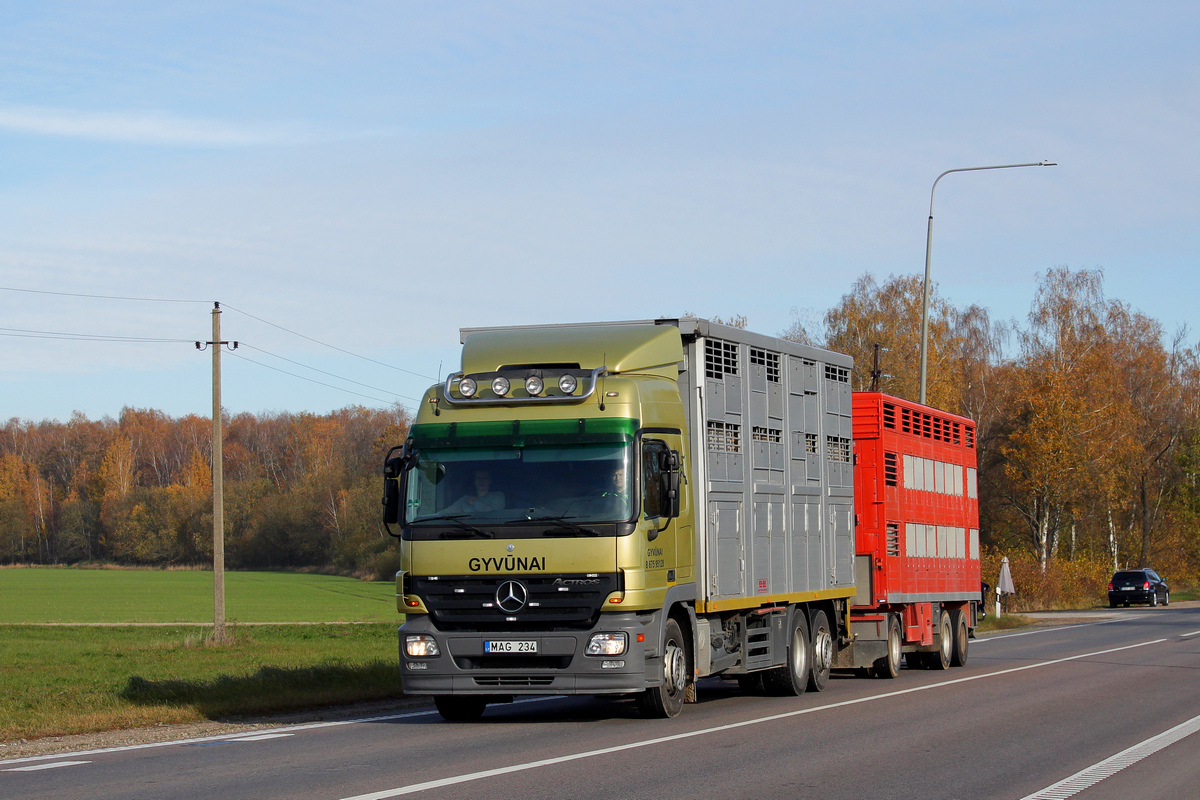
{"points": [[928, 245]]}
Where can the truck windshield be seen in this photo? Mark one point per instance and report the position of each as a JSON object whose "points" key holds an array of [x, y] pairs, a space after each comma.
{"points": [[579, 484]]}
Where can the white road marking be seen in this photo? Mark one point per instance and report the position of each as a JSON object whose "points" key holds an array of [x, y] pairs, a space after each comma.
{"points": [[491, 773], [261, 737], [1086, 778], [993, 638], [55, 765], [1193, 633], [218, 738], [225, 737]]}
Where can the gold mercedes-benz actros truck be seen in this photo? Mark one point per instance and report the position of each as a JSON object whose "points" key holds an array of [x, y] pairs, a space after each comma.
{"points": [[622, 508]]}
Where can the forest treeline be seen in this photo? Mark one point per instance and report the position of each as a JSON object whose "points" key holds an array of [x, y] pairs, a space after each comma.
{"points": [[301, 490], [1088, 424], [1088, 434]]}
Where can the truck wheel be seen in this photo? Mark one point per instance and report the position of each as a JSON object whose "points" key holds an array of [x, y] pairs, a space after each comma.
{"points": [[792, 679], [823, 652], [460, 709], [958, 621], [889, 665], [940, 658], [666, 700]]}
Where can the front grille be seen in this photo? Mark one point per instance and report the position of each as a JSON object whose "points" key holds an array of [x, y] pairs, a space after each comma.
{"points": [[515, 680], [555, 602], [512, 662]]}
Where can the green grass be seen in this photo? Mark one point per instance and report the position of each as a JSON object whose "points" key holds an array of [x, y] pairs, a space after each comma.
{"points": [[56, 681], [55, 594]]}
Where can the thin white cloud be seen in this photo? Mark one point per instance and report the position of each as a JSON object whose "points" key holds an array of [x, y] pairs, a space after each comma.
{"points": [[153, 128]]}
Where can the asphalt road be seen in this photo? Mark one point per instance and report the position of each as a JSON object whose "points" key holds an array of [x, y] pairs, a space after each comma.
{"points": [[1108, 707]]}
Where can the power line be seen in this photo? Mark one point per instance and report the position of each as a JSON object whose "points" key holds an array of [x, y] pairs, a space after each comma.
{"points": [[87, 337], [330, 346], [323, 372], [102, 338], [100, 296], [83, 337], [227, 307], [319, 383]]}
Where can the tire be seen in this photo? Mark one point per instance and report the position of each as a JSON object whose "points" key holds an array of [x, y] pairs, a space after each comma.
{"points": [[958, 654], [1154, 599], [792, 679], [454, 708], [666, 700], [1167, 599], [889, 666], [940, 659], [824, 652]]}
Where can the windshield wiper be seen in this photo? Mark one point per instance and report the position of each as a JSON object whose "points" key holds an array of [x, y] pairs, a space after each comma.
{"points": [[571, 526], [457, 520]]}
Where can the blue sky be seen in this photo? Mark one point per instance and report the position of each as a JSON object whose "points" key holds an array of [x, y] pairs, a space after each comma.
{"points": [[355, 181]]}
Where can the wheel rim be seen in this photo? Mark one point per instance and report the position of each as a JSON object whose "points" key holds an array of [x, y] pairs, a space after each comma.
{"points": [[674, 672], [822, 650], [894, 648], [947, 640]]}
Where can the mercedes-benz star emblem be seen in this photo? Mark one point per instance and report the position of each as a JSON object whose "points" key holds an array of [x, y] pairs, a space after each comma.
{"points": [[512, 596]]}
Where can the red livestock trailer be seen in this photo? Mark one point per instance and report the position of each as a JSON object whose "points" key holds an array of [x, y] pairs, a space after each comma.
{"points": [[917, 533]]}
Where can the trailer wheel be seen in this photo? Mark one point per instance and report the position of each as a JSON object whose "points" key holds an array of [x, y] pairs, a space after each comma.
{"points": [[792, 679], [940, 658], [460, 709], [666, 700], [958, 620], [823, 652], [889, 665]]}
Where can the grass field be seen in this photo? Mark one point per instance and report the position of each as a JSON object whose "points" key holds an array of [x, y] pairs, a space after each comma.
{"points": [[48, 594], [102, 673], [56, 680]]}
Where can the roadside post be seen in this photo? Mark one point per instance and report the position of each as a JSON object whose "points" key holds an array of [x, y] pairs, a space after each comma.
{"points": [[1004, 585]]}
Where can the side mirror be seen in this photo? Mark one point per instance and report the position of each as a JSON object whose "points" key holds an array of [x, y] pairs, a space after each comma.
{"points": [[391, 490], [670, 466], [394, 469]]}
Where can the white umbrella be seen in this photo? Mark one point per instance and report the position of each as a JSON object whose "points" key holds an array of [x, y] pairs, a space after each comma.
{"points": [[1005, 584]]}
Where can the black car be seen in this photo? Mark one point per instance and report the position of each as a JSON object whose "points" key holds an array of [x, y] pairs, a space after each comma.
{"points": [[1138, 586]]}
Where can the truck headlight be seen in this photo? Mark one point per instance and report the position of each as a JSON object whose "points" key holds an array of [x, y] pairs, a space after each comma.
{"points": [[607, 644], [567, 384], [421, 646], [534, 385], [467, 387], [500, 386]]}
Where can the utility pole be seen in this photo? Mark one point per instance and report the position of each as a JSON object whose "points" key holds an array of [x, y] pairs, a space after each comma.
{"points": [[218, 478]]}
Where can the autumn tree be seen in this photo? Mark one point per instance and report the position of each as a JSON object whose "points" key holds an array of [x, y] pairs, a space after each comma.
{"points": [[962, 344]]}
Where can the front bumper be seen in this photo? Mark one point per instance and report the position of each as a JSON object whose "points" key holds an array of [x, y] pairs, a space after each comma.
{"points": [[560, 666]]}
